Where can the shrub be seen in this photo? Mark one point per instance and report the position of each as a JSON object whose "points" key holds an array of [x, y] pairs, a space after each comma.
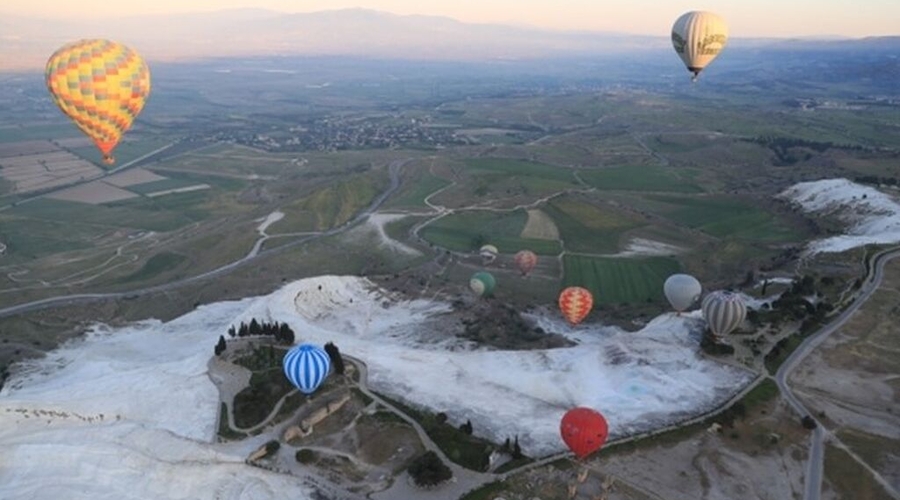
{"points": [[305, 456], [429, 470]]}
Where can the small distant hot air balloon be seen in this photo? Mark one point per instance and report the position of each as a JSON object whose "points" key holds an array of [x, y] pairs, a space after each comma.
{"points": [[724, 311], [682, 290], [488, 253], [698, 37], [575, 303], [482, 284], [525, 261], [584, 430], [306, 366], [101, 85]]}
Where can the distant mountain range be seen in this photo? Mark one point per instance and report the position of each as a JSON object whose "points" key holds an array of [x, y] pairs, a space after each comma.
{"points": [[26, 43]]}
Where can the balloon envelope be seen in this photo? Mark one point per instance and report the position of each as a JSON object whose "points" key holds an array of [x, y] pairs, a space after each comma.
{"points": [[525, 261], [306, 366], [101, 85], [584, 430], [698, 37], [682, 290], [724, 311], [488, 253], [575, 303], [482, 284]]}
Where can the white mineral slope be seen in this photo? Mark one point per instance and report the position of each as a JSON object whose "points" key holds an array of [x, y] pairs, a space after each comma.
{"points": [[131, 412], [127, 413], [122, 460], [639, 380], [873, 217]]}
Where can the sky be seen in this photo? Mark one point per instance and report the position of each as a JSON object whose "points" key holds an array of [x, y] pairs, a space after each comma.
{"points": [[757, 18]]}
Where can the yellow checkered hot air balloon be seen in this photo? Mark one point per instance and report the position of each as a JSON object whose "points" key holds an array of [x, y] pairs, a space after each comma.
{"points": [[101, 85]]}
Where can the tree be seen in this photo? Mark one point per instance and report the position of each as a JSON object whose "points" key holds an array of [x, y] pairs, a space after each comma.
{"points": [[285, 335], [441, 417], [272, 447], [808, 423], [254, 328], [305, 456], [335, 355], [429, 470], [231, 331], [517, 450], [466, 427], [220, 346]]}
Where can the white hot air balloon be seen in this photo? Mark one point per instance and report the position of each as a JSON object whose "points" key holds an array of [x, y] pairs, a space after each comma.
{"points": [[698, 37], [488, 253], [724, 311], [682, 290]]}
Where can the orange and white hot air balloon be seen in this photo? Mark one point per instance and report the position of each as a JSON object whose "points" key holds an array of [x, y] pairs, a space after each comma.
{"points": [[101, 85], [575, 304]]}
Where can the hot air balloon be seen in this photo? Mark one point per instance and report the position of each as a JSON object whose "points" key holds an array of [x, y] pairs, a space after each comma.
{"points": [[698, 37], [488, 253], [306, 366], [584, 431], [525, 261], [724, 311], [482, 283], [575, 303], [682, 290], [101, 85]]}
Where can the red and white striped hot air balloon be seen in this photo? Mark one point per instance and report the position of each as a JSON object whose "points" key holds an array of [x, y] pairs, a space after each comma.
{"points": [[575, 303]]}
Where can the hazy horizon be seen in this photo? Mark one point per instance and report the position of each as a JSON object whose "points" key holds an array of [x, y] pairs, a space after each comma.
{"points": [[764, 18]]}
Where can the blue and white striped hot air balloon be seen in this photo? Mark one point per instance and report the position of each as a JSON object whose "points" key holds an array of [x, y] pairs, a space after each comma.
{"points": [[306, 366]]}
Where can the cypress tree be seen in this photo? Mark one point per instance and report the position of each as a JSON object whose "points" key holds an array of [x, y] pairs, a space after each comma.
{"points": [[335, 355]]}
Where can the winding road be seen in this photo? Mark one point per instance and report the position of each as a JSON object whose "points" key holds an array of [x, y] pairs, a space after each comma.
{"points": [[815, 465]]}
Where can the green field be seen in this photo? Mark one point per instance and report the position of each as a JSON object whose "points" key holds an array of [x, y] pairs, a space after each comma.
{"points": [[589, 228], [158, 264], [642, 178], [468, 231], [616, 280], [38, 132], [333, 205], [6, 186], [28, 238], [415, 191], [165, 213], [506, 167], [502, 176], [725, 217]]}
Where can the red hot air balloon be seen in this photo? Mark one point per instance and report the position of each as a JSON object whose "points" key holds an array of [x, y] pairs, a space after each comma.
{"points": [[584, 431], [575, 303]]}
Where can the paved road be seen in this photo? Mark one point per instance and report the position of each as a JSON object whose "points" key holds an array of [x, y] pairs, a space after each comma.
{"points": [[813, 481], [254, 253]]}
